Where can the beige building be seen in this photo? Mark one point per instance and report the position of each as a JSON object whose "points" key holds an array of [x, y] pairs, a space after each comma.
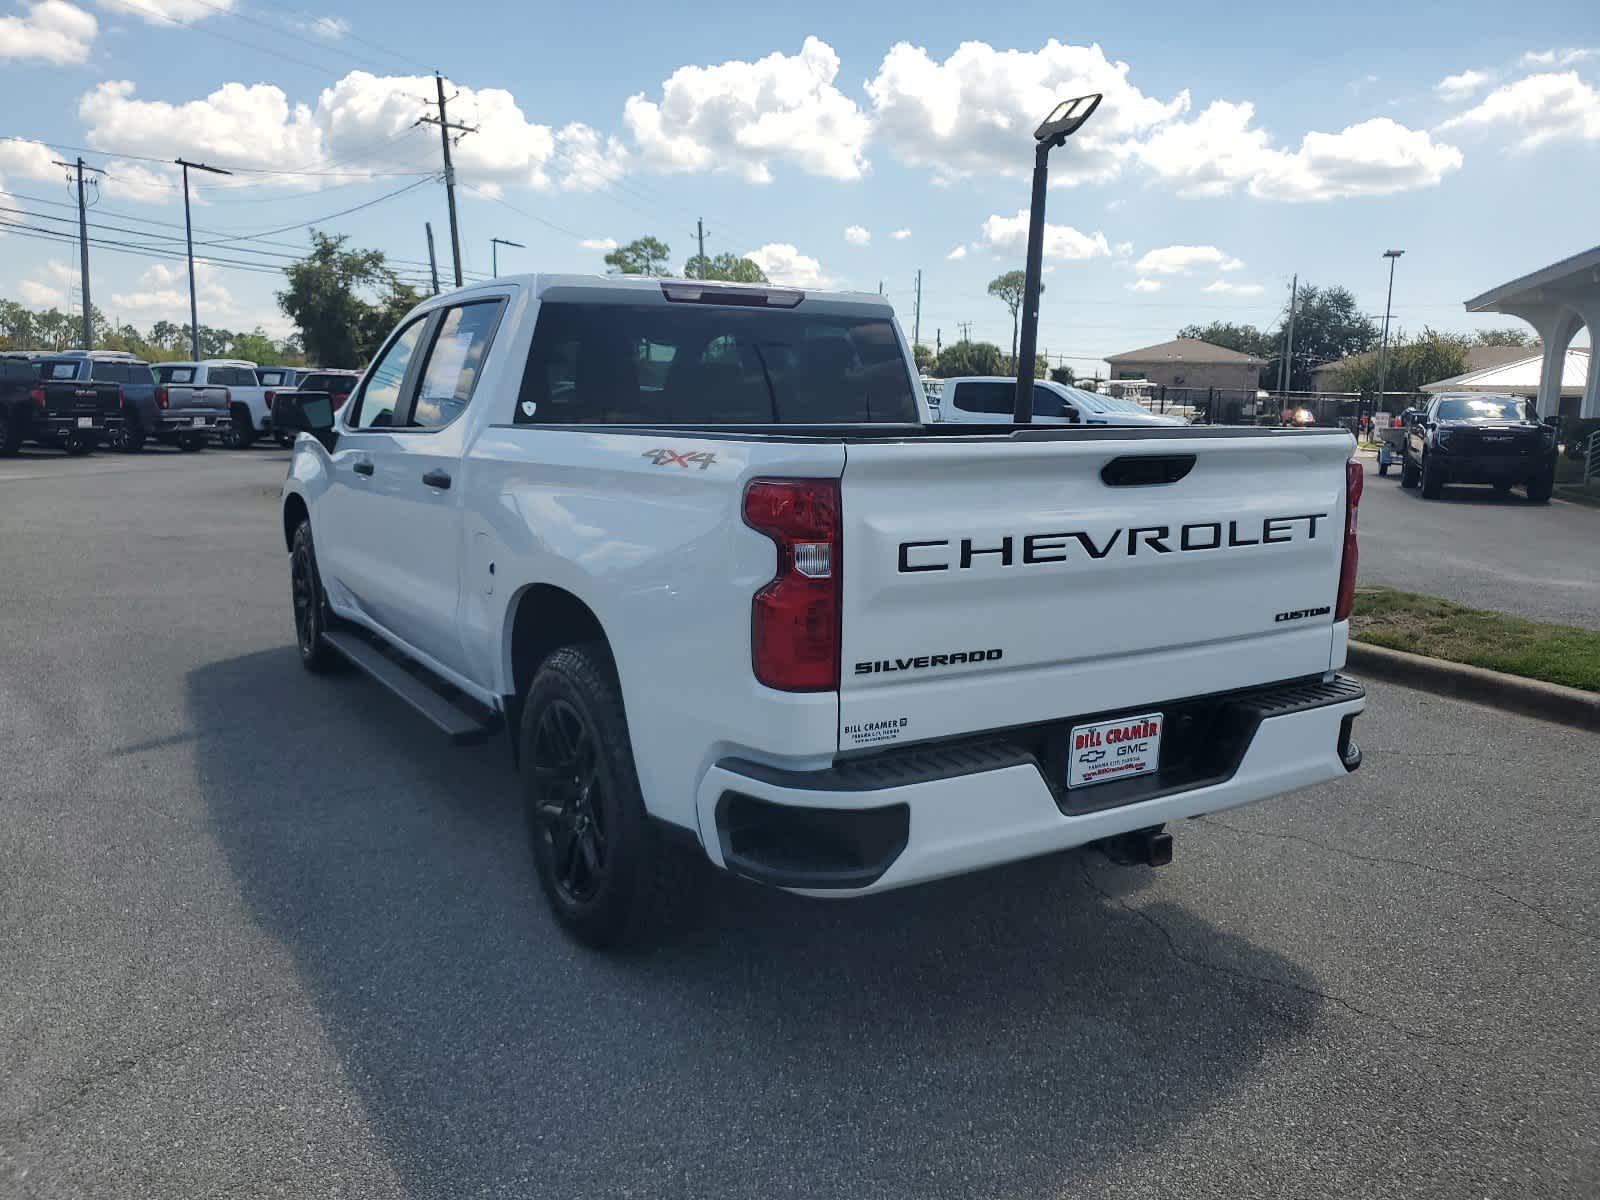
{"points": [[1189, 363]]}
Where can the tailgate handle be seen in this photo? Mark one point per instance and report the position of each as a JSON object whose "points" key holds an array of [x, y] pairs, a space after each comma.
{"points": [[1143, 470]]}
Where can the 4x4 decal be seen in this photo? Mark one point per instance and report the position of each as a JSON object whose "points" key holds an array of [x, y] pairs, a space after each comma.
{"points": [[662, 457]]}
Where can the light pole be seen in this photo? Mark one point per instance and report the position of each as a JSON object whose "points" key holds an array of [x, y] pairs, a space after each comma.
{"points": [[1064, 121], [188, 237], [1383, 351], [494, 252]]}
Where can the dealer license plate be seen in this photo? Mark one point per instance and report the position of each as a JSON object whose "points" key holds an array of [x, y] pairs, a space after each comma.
{"points": [[85, 422], [1117, 749]]}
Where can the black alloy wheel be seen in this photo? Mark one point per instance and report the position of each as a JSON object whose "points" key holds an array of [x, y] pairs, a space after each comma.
{"points": [[571, 803]]}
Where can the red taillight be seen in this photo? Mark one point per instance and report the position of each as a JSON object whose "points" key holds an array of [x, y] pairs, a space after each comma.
{"points": [[122, 401], [161, 397], [37, 396], [227, 395], [269, 396], [1355, 477], [794, 619]]}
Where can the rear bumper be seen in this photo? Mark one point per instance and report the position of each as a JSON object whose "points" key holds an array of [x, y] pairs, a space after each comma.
{"points": [[910, 817], [54, 428], [181, 421]]}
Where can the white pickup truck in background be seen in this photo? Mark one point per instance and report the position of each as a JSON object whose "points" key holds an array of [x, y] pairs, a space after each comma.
{"points": [[985, 399], [699, 550], [241, 391]]}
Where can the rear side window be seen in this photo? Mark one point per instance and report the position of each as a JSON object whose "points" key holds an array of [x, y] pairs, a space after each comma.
{"points": [[693, 364], [61, 370], [175, 374], [998, 397], [271, 379], [455, 359], [232, 376]]}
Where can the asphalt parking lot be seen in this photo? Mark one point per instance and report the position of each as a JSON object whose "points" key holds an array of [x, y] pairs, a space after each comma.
{"points": [[263, 935], [1480, 547]]}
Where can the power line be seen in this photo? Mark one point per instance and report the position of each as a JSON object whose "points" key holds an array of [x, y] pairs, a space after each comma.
{"points": [[521, 211]]}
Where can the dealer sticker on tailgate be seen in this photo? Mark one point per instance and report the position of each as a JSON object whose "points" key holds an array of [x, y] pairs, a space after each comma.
{"points": [[1117, 749]]}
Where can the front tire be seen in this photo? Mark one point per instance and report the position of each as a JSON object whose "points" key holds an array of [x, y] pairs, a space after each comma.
{"points": [[1432, 479], [607, 873], [1540, 489], [312, 617]]}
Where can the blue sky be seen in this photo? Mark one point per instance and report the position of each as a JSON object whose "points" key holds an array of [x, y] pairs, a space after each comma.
{"points": [[1237, 146]]}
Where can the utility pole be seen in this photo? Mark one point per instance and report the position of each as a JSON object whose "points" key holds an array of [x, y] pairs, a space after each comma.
{"points": [[445, 126], [83, 244], [938, 341], [1383, 352], [700, 234], [1285, 377], [433, 263], [494, 252], [188, 237], [916, 318]]}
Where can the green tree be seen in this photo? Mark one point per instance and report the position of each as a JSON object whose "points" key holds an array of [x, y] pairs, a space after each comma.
{"points": [[970, 358], [1246, 339], [345, 302], [1328, 325], [1502, 337], [1412, 362], [1063, 374], [1008, 290], [642, 256], [923, 357], [257, 347], [728, 267]]}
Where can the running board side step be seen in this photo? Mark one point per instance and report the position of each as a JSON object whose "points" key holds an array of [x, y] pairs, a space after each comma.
{"points": [[461, 724]]}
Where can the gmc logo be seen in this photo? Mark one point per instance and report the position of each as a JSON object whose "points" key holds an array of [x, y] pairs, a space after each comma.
{"points": [[1032, 549]]}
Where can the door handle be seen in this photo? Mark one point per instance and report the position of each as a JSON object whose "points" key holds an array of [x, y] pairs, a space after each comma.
{"points": [[437, 479], [362, 468]]}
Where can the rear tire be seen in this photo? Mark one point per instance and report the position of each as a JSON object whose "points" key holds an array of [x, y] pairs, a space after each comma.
{"points": [[243, 429], [11, 431], [1409, 475], [1383, 468], [1432, 479], [312, 616], [133, 435], [190, 442], [77, 446], [609, 876]]}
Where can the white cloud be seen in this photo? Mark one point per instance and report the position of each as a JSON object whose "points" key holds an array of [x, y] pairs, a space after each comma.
{"points": [[1221, 148], [1145, 285], [957, 254], [1227, 287], [857, 235], [1374, 158], [900, 235], [359, 122], [32, 160], [164, 289], [52, 30], [1009, 235], [1557, 58], [1123, 249], [167, 12], [745, 117], [1458, 87], [973, 113], [54, 286], [331, 28], [1180, 260], [783, 264], [605, 245], [585, 161], [1539, 109]]}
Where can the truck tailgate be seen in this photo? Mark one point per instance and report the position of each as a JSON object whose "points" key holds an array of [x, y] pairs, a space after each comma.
{"points": [[80, 398], [184, 396], [1003, 581]]}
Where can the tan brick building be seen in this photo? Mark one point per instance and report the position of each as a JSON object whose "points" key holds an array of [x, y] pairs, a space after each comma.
{"points": [[1189, 363]]}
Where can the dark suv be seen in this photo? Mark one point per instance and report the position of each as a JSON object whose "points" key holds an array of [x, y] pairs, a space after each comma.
{"points": [[1463, 437]]}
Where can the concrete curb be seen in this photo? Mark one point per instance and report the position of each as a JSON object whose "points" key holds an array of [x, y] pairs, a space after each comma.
{"points": [[1530, 697]]}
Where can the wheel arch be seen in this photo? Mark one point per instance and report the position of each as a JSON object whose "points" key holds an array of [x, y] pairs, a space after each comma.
{"points": [[542, 618], [294, 511]]}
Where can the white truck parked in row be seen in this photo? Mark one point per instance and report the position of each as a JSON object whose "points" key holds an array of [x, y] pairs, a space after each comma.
{"points": [[248, 402], [699, 550]]}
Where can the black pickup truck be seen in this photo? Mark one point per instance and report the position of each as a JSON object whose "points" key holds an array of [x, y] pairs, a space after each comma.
{"points": [[1464, 437], [51, 407]]}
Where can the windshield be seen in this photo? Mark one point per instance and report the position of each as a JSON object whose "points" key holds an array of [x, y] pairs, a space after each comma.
{"points": [[694, 364], [1481, 408]]}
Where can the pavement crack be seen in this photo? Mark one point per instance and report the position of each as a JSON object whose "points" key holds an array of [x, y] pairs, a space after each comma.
{"points": [[1409, 862], [1214, 968]]}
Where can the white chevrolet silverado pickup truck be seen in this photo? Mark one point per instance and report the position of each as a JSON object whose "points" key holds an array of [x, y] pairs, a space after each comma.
{"points": [[697, 548]]}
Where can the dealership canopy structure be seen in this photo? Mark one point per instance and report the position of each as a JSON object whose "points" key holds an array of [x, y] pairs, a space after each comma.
{"points": [[1557, 300], [1521, 378]]}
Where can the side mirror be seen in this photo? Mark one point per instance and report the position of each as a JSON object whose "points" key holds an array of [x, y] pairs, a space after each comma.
{"points": [[305, 412], [1554, 423]]}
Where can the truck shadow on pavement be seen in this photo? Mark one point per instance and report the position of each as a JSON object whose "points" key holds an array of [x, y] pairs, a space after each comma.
{"points": [[1016, 1033]]}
